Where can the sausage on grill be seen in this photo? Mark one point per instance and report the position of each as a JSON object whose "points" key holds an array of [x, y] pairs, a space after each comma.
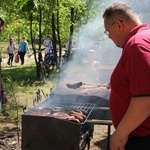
{"points": [[74, 85], [78, 114], [73, 119], [60, 115]]}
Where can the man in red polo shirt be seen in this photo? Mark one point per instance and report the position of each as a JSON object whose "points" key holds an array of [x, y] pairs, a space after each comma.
{"points": [[130, 81]]}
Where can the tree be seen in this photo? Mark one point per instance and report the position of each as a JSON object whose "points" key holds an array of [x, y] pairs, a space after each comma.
{"points": [[38, 18]]}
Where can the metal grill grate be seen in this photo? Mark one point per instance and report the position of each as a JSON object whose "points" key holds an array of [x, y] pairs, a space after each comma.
{"points": [[65, 107], [83, 106]]}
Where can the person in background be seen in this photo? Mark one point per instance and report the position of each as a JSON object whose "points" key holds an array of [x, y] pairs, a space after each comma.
{"points": [[23, 48], [3, 97], [130, 81], [92, 66], [11, 50], [48, 46]]}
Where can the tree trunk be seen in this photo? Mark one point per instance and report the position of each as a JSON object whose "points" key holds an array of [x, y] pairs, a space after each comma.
{"points": [[58, 32], [53, 33], [71, 32], [40, 39], [32, 39]]}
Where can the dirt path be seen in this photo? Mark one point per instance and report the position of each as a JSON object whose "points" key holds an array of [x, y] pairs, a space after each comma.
{"points": [[99, 140], [28, 60]]}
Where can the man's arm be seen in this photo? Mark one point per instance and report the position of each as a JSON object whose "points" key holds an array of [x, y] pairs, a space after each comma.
{"points": [[138, 111]]}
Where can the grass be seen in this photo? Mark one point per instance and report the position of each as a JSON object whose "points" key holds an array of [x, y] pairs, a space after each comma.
{"points": [[21, 86], [21, 83], [22, 78], [21, 75]]}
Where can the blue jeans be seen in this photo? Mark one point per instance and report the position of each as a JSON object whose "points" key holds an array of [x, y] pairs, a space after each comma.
{"points": [[22, 54]]}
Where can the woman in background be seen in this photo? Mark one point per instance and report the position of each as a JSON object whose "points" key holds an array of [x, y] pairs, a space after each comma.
{"points": [[11, 50]]}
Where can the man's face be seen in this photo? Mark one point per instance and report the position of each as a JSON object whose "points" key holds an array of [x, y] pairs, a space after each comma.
{"points": [[112, 30]]}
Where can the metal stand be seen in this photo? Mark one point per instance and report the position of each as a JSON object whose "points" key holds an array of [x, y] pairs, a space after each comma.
{"points": [[108, 141], [103, 122]]}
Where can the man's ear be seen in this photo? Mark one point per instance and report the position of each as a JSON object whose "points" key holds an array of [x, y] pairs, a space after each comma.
{"points": [[120, 25]]}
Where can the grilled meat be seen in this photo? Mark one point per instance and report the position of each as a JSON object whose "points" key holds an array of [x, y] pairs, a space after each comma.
{"points": [[74, 85]]}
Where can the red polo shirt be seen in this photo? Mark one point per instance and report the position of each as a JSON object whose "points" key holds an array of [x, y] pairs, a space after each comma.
{"points": [[131, 77]]}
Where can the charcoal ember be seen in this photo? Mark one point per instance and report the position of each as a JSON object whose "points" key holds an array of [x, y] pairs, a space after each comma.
{"points": [[74, 85]]}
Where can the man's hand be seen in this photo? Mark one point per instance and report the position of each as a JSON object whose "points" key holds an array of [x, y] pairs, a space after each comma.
{"points": [[117, 141]]}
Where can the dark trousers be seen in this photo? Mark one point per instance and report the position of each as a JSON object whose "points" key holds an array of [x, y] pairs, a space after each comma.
{"points": [[22, 54], [10, 59], [138, 143]]}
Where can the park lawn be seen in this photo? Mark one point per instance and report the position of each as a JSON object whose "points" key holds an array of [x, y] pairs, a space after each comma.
{"points": [[21, 83]]}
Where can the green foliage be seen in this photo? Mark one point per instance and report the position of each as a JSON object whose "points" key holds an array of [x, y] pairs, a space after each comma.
{"points": [[17, 12], [28, 5]]}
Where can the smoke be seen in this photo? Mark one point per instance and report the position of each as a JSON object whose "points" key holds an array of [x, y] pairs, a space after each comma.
{"points": [[91, 36]]}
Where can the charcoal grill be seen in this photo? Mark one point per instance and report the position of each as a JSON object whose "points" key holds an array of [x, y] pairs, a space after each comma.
{"points": [[43, 132]]}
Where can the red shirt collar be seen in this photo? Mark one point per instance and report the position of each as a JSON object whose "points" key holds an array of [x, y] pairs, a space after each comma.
{"points": [[134, 31]]}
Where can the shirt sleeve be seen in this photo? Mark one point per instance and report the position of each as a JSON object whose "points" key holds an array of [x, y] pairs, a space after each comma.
{"points": [[137, 68]]}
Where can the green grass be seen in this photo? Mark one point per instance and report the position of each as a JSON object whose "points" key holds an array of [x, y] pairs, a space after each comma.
{"points": [[21, 86], [25, 79], [21, 75], [21, 81]]}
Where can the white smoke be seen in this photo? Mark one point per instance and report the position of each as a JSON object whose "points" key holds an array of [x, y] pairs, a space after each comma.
{"points": [[90, 36]]}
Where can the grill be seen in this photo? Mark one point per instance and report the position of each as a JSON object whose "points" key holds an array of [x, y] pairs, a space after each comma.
{"points": [[41, 130], [60, 110]]}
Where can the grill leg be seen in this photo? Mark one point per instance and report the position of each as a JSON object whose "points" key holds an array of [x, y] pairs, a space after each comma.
{"points": [[108, 141], [89, 139]]}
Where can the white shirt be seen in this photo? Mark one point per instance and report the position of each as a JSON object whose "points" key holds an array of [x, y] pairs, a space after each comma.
{"points": [[11, 48], [48, 45]]}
